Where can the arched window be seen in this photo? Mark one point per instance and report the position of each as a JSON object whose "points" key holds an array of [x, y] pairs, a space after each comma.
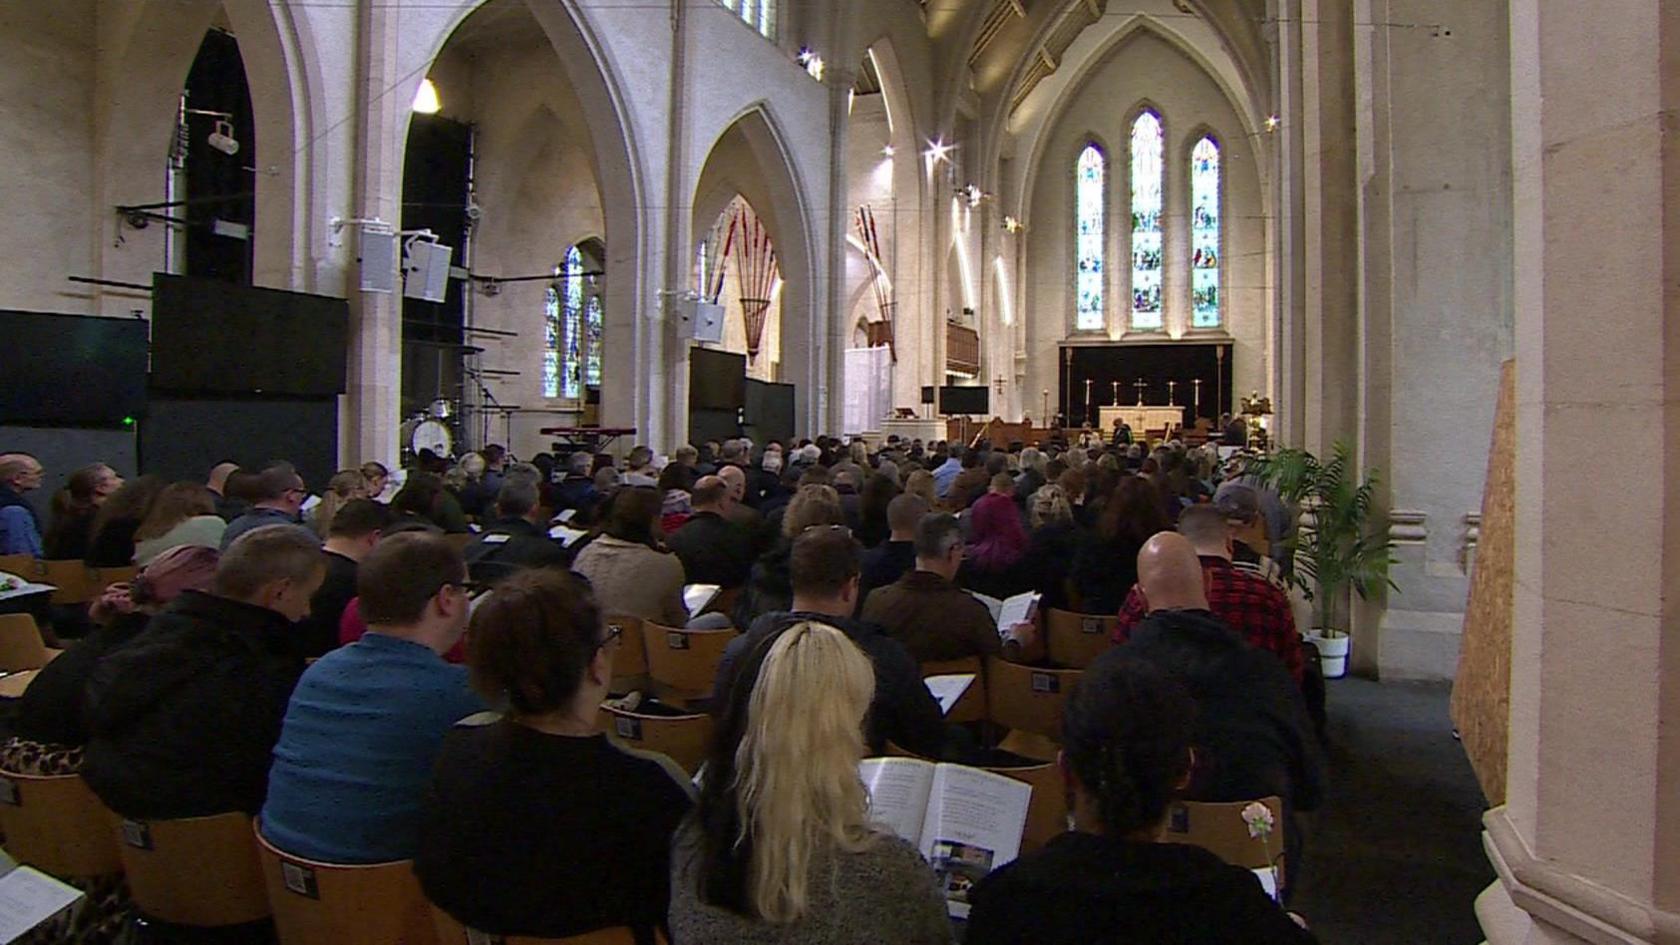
{"points": [[759, 14], [593, 330], [1204, 234], [563, 356], [1146, 220], [1090, 231]]}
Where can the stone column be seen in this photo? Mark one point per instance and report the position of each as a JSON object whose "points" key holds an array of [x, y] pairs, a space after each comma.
{"points": [[372, 408], [1587, 846]]}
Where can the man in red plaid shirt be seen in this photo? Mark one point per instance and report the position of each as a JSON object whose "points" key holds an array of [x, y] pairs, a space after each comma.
{"points": [[1259, 612]]}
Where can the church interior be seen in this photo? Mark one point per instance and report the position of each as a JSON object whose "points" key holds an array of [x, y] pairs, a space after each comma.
{"points": [[391, 232]]}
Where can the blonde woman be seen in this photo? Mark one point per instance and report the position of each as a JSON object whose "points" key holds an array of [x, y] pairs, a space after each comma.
{"points": [[920, 484], [346, 484], [780, 848]]}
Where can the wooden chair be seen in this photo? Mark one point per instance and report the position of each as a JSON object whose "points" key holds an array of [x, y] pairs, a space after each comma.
{"points": [[197, 871], [971, 706], [24, 566], [75, 581], [14, 685], [375, 904], [683, 663], [21, 646], [631, 658], [451, 932], [57, 825], [1219, 828], [1076, 640], [1029, 700], [682, 738], [105, 577], [1047, 811]]}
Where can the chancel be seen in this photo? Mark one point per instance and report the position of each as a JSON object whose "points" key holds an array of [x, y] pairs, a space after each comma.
{"points": [[1219, 392]]}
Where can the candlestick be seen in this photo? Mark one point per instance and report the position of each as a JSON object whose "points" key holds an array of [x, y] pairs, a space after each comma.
{"points": [[1172, 387], [1116, 400], [1197, 384], [1087, 400]]}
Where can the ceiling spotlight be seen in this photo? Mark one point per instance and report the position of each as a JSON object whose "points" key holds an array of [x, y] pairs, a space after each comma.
{"points": [[972, 194], [1272, 122], [426, 100], [222, 138], [1012, 225], [888, 151], [812, 62], [937, 150]]}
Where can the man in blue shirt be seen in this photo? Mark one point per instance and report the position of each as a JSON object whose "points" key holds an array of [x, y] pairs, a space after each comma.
{"points": [[947, 473], [20, 529], [278, 494], [365, 723]]}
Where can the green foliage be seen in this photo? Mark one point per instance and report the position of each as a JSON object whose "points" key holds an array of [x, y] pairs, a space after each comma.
{"points": [[1346, 547]]}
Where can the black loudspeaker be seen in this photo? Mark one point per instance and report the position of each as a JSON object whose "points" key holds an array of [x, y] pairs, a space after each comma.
{"points": [[927, 395]]}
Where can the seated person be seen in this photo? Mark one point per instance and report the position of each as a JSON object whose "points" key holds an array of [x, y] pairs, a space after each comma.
{"points": [[355, 528], [182, 721], [896, 556], [50, 727], [824, 564], [277, 494], [535, 823], [516, 540], [1258, 611], [627, 564], [365, 723], [1126, 750], [1252, 734], [927, 612], [713, 549], [781, 847]]}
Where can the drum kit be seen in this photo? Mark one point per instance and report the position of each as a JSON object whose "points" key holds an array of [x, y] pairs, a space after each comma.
{"points": [[432, 429]]}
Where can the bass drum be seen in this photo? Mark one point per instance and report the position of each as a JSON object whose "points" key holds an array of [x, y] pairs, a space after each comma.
{"points": [[428, 434]]}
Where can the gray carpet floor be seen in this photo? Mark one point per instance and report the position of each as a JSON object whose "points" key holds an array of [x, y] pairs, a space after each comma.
{"points": [[1395, 857]]}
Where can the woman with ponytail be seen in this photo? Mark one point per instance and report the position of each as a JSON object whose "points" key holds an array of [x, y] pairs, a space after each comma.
{"points": [[781, 848], [1125, 756], [74, 508]]}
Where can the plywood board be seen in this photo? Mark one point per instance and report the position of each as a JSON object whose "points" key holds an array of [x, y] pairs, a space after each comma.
{"points": [[1481, 697]]}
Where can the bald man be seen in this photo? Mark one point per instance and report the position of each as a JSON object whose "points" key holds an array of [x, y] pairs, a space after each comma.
{"points": [[738, 511], [1252, 735], [20, 527], [713, 548]]}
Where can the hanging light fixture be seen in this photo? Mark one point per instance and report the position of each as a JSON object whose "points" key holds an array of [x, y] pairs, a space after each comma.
{"points": [[426, 100]]}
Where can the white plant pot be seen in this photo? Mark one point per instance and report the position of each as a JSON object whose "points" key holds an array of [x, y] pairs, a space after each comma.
{"points": [[1332, 653]]}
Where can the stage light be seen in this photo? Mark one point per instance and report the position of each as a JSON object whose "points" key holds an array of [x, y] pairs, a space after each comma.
{"points": [[888, 151], [1272, 122], [937, 151], [222, 138], [1012, 225], [426, 100]]}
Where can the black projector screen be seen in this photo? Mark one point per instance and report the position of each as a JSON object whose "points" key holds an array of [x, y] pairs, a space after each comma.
{"points": [[214, 337], [72, 369], [182, 439], [964, 401], [717, 380]]}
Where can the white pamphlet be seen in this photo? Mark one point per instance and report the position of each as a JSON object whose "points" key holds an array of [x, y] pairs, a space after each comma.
{"points": [[566, 536], [1008, 613], [29, 897], [966, 821], [697, 596], [12, 586], [949, 688]]}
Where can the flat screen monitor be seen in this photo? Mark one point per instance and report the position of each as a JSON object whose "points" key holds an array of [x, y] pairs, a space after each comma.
{"points": [[964, 401], [717, 380], [72, 370], [210, 336]]}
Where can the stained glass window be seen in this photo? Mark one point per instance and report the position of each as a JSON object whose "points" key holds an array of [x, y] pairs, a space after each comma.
{"points": [[1204, 234], [563, 358], [759, 14], [551, 343], [1146, 220], [1088, 239], [593, 330]]}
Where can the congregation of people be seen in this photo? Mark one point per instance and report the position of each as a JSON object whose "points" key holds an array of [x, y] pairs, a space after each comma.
{"points": [[412, 667]]}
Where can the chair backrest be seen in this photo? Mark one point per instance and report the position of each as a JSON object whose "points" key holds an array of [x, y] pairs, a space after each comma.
{"points": [[682, 663], [971, 706], [451, 932], [1076, 640], [24, 566], [21, 646], [631, 658], [57, 825], [198, 871], [1047, 811], [1028, 698], [683, 738], [74, 579], [105, 577], [1220, 829], [375, 904]]}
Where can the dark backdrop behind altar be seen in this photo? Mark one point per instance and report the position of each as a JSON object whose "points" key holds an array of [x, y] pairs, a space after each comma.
{"points": [[1155, 365]]}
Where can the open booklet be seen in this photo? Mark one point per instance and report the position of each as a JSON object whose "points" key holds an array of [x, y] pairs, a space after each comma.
{"points": [[1008, 613], [947, 689], [967, 822], [29, 897]]}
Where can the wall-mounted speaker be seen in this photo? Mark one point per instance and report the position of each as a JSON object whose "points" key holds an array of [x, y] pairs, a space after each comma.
{"points": [[702, 321], [376, 258], [426, 270]]}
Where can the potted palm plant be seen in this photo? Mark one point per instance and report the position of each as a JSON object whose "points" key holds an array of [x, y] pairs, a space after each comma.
{"points": [[1344, 547]]}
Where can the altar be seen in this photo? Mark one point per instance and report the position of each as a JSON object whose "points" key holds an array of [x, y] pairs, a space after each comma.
{"points": [[1139, 419]]}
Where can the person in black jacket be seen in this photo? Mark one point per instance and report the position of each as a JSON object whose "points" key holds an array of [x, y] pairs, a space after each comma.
{"points": [[1126, 748], [516, 540], [352, 533], [183, 720], [713, 549], [824, 564]]}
